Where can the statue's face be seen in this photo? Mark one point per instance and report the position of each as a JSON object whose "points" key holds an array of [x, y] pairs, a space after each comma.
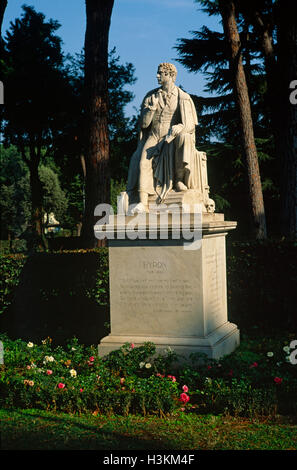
{"points": [[164, 77]]}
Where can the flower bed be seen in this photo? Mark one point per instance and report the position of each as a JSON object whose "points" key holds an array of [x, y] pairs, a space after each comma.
{"points": [[255, 380]]}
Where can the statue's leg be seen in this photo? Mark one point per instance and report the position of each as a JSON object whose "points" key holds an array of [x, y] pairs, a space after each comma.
{"points": [[146, 177], [183, 143]]}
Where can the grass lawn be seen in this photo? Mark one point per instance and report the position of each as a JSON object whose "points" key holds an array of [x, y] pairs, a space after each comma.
{"points": [[40, 430]]}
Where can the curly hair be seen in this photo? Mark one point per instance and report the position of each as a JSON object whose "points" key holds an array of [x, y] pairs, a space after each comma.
{"points": [[170, 68]]}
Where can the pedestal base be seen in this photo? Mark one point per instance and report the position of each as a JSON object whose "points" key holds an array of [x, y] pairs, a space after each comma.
{"points": [[163, 293], [217, 344]]}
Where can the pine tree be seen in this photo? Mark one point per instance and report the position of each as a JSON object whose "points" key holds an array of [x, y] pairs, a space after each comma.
{"points": [[96, 120]]}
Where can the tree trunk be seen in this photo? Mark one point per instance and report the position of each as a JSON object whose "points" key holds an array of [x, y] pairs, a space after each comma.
{"points": [[37, 239], [227, 10], [287, 43], [96, 96], [269, 54], [3, 5]]}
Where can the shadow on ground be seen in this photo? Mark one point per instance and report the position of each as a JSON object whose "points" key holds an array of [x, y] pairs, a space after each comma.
{"points": [[37, 432]]}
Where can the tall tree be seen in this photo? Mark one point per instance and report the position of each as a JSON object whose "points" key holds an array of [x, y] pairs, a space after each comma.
{"points": [[287, 44], [38, 95], [96, 97], [209, 52], [227, 10]]}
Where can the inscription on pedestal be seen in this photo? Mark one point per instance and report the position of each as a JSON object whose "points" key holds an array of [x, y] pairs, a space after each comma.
{"points": [[161, 295], [162, 291]]}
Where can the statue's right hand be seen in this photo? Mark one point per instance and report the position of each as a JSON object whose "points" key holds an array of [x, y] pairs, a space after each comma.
{"points": [[154, 101]]}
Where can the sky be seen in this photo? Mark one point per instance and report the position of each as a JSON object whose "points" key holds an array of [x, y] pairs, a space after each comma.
{"points": [[144, 32]]}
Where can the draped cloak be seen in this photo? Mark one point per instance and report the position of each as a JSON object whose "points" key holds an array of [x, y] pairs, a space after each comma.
{"points": [[164, 156]]}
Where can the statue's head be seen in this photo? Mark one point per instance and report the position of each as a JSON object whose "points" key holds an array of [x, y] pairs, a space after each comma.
{"points": [[168, 69]]}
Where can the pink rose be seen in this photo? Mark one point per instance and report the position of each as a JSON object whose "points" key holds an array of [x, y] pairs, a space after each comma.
{"points": [[184, 398], [81, 389], [132, 345], [49, 372], [61, 385], [172, 378], [254, 364], [185, 388], [91, 359]]}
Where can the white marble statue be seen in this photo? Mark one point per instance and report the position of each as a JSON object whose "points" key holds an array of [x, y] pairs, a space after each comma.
{"points": [[166, 157]]}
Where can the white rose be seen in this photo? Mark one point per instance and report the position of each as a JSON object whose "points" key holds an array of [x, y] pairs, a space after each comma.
{"points": [[30, 345], [73, 373], [148, 365], [48, 359], [270, 354]]}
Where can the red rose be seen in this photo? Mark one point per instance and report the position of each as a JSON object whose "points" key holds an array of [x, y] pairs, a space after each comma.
{"points": [[278, 380], [184, 398]]}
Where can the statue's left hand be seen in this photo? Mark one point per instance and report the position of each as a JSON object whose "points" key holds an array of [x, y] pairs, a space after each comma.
{"points": [[174, 131]]}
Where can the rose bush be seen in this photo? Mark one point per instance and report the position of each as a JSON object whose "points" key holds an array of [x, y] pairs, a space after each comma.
{"points": [[133, 379]]}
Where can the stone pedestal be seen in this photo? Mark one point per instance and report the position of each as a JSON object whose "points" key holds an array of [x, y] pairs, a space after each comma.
{"points": [[162, 293]]}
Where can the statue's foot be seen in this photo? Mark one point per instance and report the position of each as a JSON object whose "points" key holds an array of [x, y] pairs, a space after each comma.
{"points": [[180, 186], [138, 209]]}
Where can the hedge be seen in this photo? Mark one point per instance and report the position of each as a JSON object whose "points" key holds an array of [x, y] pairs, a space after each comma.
{"points": [[67, 292]]}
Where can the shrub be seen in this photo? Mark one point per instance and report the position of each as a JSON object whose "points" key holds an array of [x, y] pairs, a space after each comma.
{"points": [[137, 380], [10, 269], [262, 284], [75, 379]]}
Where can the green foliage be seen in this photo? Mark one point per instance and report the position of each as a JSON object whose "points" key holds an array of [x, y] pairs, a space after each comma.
{"points": [[75, 379], [10, 268], [218, 132], [122, 130], [129, 380], [116, 188], [261, 283], [54, 199], [100, 291], [35, 82], [74, 191], [14, 193]]}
